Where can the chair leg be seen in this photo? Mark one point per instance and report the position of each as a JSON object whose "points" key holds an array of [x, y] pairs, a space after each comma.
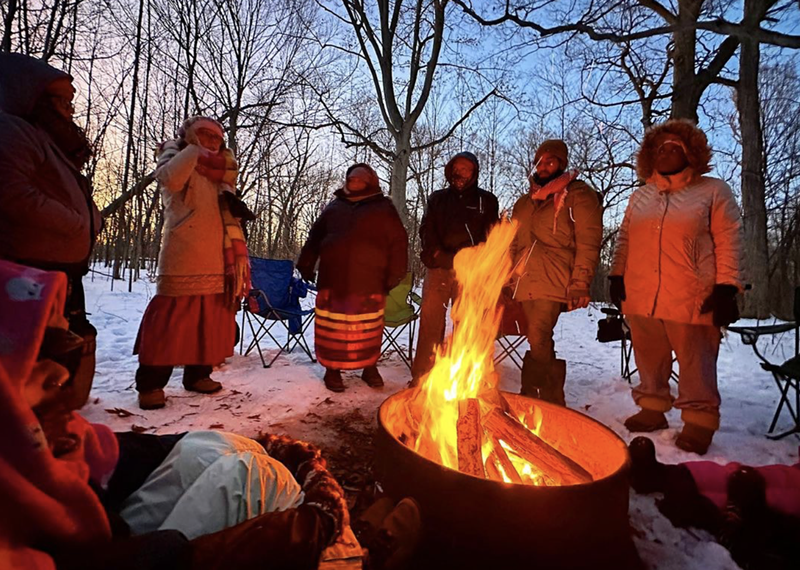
{"points": [[794, 412], [241, 335]]}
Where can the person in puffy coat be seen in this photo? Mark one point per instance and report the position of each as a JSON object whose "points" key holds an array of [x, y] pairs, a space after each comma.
{"points": [[362, 248], [459, 216], [675, 273], [555, 255], [203, 266], [47, 216]]}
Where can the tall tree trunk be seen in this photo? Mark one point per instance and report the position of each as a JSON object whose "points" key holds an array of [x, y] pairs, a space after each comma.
{"points": [[8, 22], [399, 175], [756, 252], [684, 82]]}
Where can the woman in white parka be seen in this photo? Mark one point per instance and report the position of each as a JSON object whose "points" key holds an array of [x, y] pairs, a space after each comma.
{"points": [[676, 276]]}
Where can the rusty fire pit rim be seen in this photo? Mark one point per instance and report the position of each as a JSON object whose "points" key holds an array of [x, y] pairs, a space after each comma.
{"points": [[625, 466]]}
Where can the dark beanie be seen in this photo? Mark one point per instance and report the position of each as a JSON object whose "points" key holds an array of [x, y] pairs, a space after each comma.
{"points": [[555, 147]]}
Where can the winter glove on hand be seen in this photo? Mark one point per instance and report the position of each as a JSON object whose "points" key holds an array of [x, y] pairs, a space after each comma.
{"points": [[577, 295], [308, 274], [722, 303], [616, 290]]}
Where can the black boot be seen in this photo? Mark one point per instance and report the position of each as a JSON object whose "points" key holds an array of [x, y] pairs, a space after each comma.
{"points": [[533, 377], [556, 376], [647, 474]]}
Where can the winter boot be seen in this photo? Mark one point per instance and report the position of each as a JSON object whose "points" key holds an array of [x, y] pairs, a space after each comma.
{"points": [[333, 380], [695, 439], [152, 399], [533, 377], [647, 474], [398, 537], [646, 421], [553, 391], [372, 377], [204, 386]]}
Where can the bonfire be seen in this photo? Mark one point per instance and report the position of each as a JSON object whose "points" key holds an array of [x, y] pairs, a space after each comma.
{"points": [[458, 417]]}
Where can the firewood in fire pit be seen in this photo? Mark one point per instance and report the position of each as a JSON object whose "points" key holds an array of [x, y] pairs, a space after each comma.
{"points": [[505, 462], [535, 450], [468, 430]]}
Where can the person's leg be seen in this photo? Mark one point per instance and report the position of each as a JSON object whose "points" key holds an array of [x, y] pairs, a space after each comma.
{"points": [[437, 292], [697, 348], [653, 354], [333, 380], [541, 377], [75, 311], [372, 377], [197, 378], [160, 550], [150, 382]]}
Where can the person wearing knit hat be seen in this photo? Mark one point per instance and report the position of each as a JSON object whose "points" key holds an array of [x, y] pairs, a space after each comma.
{"points": [[555, 252], [457, 217], [47, 216], [362, 250], [203, 265]]}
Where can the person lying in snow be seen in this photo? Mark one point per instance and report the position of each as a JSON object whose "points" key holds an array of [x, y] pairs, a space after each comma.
{"points": [[753, 511], [362, 248], [76, 495]]}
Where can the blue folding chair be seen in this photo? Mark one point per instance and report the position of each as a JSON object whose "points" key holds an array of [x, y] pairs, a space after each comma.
{"points": [[275, 300]]}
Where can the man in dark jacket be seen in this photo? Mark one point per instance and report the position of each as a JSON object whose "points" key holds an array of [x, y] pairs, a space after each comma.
{"points": [[457, 217], [48, 219], [362, 248]]}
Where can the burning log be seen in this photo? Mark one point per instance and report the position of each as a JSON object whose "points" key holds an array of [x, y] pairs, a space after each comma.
{"points": [[502, 458], [469, 434], [535, 450]]}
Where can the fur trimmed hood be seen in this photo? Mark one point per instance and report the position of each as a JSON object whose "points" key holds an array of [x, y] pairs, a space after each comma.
{"points": [[698, 150]]}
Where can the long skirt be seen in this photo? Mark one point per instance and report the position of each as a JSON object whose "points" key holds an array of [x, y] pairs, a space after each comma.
{"points": [[348, 331], [180, 331]]}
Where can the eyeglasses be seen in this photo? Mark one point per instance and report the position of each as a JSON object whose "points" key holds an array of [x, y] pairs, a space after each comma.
{"points": [[63, 102]]}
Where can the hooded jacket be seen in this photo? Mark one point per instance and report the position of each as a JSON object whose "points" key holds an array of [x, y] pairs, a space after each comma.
{"points": [[551, 260], [454, 220], [47, 216], [680, 235], [360, 242]]}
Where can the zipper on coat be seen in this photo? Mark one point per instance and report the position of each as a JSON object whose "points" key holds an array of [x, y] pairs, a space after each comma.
{"points": [[660, 253], [470, 234]]}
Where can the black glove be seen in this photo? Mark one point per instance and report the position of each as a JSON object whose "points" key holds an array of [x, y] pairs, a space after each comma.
{"points": [[616, 290], [722, 302], [308, 274]]}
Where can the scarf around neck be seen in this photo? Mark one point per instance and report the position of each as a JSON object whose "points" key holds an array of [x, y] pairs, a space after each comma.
{"points": [[558, 188]]}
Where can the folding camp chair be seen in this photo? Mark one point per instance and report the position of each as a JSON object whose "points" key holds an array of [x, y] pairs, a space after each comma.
{"points": [[614, 328], [275, 300], [786, 375], [513, 331], [401, 315]]}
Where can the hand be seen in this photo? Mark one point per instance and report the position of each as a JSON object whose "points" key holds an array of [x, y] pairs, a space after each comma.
{"points": [[616, 290], [578, 296], [308, 275], [722, 303]]}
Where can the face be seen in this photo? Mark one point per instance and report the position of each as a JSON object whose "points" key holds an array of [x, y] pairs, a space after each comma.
{"points": [[45, 382], [548, 165], [209, 139], [670, 156], [61, 94], [358, 179], [463, 172]]}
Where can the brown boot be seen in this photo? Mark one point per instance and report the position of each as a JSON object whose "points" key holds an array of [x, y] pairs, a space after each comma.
{"points": [[204, 386], [695, 439], [646, 421], [152, 399], [372, 377], [333, 380]]}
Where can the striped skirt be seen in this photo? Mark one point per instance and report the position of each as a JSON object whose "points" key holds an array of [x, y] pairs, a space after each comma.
{"points": [[348, 331]]}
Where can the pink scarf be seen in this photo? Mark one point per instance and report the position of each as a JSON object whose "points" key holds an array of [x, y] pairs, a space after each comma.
{"points": [[556, 188]]}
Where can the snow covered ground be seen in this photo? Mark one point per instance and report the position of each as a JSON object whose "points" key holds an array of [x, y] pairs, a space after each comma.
{"points": [[291, 398]]}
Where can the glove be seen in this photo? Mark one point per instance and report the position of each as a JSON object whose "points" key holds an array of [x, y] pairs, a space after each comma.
{"points": [[577, 295], [616, 290], [722, 303], [308, 274]]}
